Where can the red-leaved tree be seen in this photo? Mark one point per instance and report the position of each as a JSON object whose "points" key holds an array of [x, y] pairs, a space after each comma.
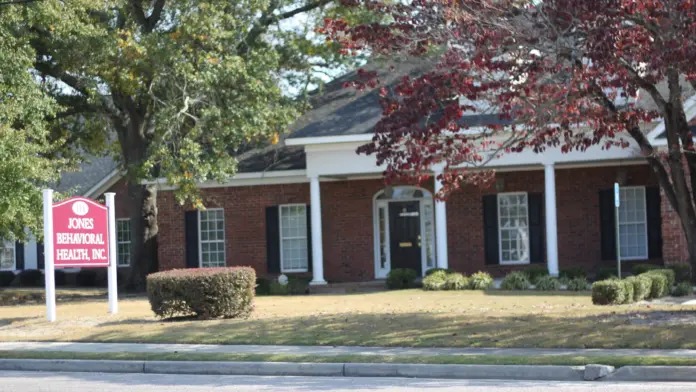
{"points": [[566, 74]]}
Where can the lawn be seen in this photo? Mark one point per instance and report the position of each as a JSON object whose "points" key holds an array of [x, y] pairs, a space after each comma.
{"points": [[397, 318]]}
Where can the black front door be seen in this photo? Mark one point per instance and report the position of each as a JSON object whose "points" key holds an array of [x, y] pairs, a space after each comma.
{"points": [[404, 235]]}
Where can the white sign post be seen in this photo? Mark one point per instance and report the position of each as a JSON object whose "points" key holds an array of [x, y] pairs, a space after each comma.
{"points": [[617, 204], [79, 233]]}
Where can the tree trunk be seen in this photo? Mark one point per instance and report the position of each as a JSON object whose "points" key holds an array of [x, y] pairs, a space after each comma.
{"points": [[144, 230]]}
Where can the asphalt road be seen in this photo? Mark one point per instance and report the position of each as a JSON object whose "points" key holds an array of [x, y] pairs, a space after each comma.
{"points": [[79, 382]]}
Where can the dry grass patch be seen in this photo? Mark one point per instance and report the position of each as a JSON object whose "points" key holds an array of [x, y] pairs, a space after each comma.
{"points": [[398, 318]]}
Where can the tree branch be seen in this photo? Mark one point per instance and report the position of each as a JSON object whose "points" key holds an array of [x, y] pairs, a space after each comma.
{"points": [[155, 16], [645, 85]]}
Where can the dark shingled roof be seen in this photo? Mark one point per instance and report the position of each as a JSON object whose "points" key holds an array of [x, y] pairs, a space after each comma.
{"points": [[275, 158], [89, 173]]}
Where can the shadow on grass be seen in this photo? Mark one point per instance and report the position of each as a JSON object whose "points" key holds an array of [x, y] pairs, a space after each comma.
{"points": [[609, 330]]}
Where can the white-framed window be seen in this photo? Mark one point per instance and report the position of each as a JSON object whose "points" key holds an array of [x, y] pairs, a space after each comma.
{"points": [[293, 238], [633, 224], [7, 256], [513, 228], [211, 237], [123, 242]]}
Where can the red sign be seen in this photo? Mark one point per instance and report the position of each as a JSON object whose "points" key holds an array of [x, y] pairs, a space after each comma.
{"points": [[80, 233]]}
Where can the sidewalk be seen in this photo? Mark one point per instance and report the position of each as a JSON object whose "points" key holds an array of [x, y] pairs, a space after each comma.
{"points": [[329, 350]]}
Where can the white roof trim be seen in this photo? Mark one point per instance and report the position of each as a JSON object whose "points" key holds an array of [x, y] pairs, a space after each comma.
{"points": [[246, 179], [689, 110], [104, 184], [302, 141]]}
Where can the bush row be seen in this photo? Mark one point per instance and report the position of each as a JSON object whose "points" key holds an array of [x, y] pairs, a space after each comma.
{"points": [[35, 278], [439, 279], [521, 281], [654, 283]]}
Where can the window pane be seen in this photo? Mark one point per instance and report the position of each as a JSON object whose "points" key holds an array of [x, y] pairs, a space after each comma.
{"points": [[212, 238], [514, 228], [293, 230], [7, 258], [632, 223]]}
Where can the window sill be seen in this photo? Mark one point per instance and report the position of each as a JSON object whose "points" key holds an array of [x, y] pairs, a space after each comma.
{"points": [[293, 271], [514, 263]]}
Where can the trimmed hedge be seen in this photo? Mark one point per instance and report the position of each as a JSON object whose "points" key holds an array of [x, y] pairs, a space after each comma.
{"points": [[481, 281], [682, 289], [435, 281], [401, 278], [515, 281], [547, 283], [609, 292], [668, 274], [433, 270], [643, 268], [641, 286], [658, 285], [204, 292], [31, 278], [571, 273], [536, 272], [61, 278], [456, 281], [577, 284], [628, 291], [682, 272], [86, 278], [6, 278]]}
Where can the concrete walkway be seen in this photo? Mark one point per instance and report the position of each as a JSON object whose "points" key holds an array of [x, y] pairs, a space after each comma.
{"points": [[328, 350]]}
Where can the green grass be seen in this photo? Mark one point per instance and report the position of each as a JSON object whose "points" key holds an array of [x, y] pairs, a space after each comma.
{"points": [[616, 361]]}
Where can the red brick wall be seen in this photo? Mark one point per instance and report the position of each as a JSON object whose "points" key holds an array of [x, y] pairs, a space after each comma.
{"points": [[348, 222]]}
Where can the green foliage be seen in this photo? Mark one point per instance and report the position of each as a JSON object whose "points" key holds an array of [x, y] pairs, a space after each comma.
{"points": [[668, 274], [682, 289], [515, 281], [481, 281], [61, 278], [31, 278], [456, 281], [638, 269], [577, 284], [205, 292], [6, 278], [609, 292], [263, 286], [682, 272], [607, 273], [641, 286], [573, 272], [435, 281], [433, 270], [86, 278], [536, 272], [547, 283], [658, 285], [401, 278], [276, 288], [629, 291]]}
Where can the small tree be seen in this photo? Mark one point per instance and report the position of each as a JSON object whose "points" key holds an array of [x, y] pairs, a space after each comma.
{"points": [[560, 73]]}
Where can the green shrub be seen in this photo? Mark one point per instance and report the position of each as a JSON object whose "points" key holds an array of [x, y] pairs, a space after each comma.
{"points": [[31, 278], [263, 286], [435, 281], [456, 281], [298, 285], [641, 286], [682, 272], [61, 278], [658, 284], [547, 283], [571, 273], [606, 273], [643, 268], [668, 274], [6, 278], [577, 284], [401, 278], [536, 272], [682, 289], [275, 288], [86, 278], [628, 288], [515, 281], [204, 292], [433, 270], [481, 281], [608, 292]]}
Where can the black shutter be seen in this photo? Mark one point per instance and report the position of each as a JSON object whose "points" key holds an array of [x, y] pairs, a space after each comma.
{"points": [[490, 228], [40, 257], [536, 227], [272, 240], [191, 227], [654, 215], [309, 239], [607, 224], [19, 255]]}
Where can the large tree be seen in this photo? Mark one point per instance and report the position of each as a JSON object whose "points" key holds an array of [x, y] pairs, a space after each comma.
{"points": [[27, 158], [176, 88], [559, 73]]}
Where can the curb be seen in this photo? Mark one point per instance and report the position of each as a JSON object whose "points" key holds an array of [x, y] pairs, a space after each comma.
{"points": [[469, 372]]}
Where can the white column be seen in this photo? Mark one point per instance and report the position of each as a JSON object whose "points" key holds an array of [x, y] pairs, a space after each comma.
{"points": [[317, 242], [551, 224], [440, 226], [49, 273], [113, 257]]}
